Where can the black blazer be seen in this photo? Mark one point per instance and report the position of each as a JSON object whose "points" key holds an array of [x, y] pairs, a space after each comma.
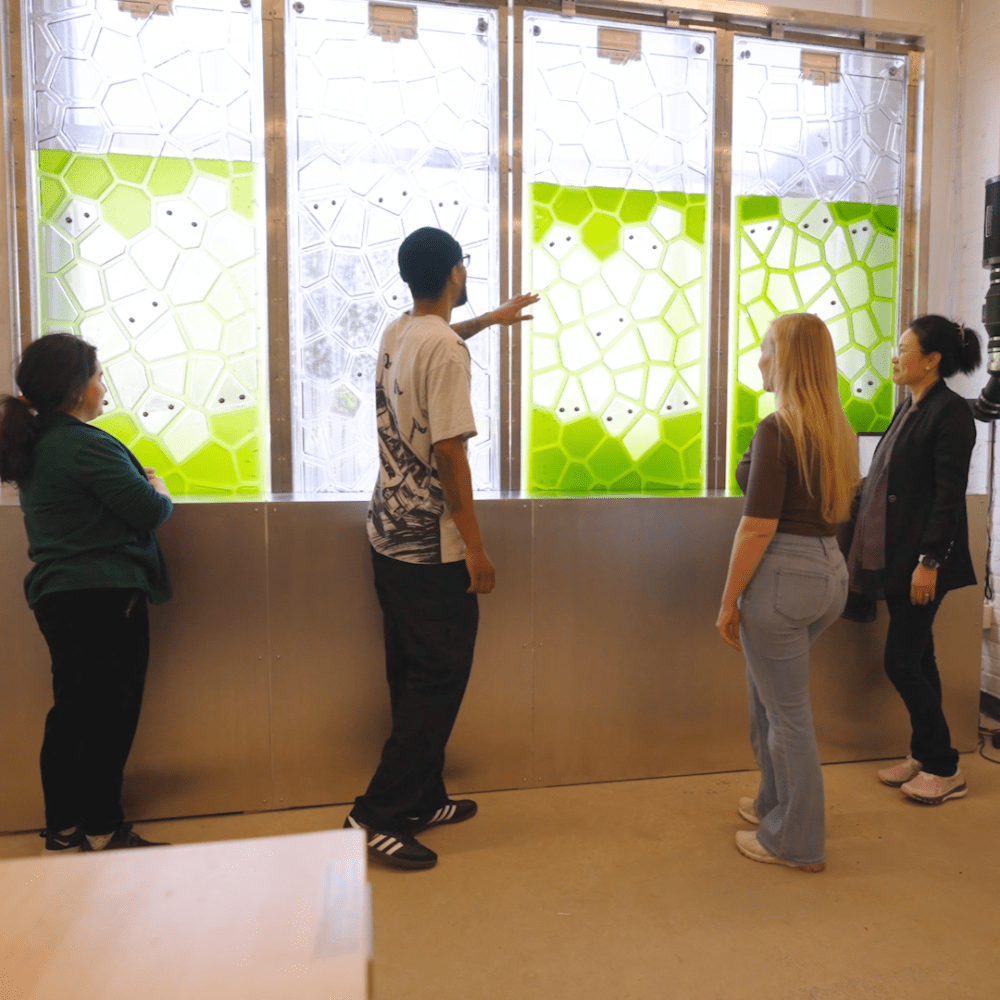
{"points": [[928, 477]]}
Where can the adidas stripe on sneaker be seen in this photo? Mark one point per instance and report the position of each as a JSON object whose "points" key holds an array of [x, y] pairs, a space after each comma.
{"points": [[397, 850]]}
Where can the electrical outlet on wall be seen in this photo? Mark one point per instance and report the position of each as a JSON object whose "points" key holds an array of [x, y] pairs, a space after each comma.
{"points": [[987, 615]]}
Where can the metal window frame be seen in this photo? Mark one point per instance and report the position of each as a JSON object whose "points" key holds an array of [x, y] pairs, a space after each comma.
{"points": [[911, 41]]}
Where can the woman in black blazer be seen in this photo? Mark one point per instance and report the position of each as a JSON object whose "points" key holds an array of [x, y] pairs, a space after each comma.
{"points": [[911, 540]]}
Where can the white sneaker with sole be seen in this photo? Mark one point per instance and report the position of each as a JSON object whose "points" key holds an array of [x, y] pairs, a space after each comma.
{"points": [[932, 789], [750, 847], [746, 810], [899, 774]]}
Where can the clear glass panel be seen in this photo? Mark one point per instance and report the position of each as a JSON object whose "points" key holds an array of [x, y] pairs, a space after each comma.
{"points": [[149, 225], [617, 139], [384, 137], [818, 146]]}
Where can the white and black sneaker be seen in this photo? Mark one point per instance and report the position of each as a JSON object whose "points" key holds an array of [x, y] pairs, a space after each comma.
{"points": [[399, 850], [453, 811]]}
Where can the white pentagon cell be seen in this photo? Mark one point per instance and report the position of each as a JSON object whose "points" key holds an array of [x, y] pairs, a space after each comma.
{"points": [[683, 262], [543, 270], [229, 394], [865, 384], [58, 249], [597, 94], [631, 384], [572, 402], [828, 305], [544, 353], [658, 380], [210, 194], [860, 234], [678, 316], [156, 410], [840, 332], [596, 298], [793, 209], [883, 251], [806, 251], [643, 436], [884, 282], [578, 348], [181, 221], [565, 302], [314, 265], [162, 341], [383, 227], [679, 400], [127, 377], [565, 80], [170, 375], [186, 435], [836, 250], [621, 276], [84, 282], [608, 324], [156, 256], [657, 340], [127, 105], [123, 278], [781, 293], [626, 352], [75, 78], [652, 296], [560, 242], [77, 217], [139, 311], [817, 221], [853, 286], [810, 282], [349, 228], [316, 176], [204, 372], [751, 283], [225, 298], [102, 246], [579, 266], [619, 415], [201, 325], [643, 245], [119, 50], [545, 389], [192, 277], [350, 271], [104, 333], [56, 304], [851, 361], [598, 387], [747, 372]]}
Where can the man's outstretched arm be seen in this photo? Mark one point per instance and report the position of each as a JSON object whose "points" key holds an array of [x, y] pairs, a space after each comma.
{"points": [[506, 315]]}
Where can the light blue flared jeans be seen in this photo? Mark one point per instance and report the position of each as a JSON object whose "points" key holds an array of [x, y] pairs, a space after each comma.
{"points": [[799, 589]]}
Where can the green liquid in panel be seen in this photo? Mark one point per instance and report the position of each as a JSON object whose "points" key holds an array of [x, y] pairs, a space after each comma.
{"points": [[839, 260], [616, 376], [154, 261]]}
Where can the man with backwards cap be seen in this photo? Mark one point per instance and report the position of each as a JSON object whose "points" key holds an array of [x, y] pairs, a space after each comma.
{"points": [[427, 550]]}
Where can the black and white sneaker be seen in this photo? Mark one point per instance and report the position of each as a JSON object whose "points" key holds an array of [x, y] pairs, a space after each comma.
{"points": [[399, 850], [453, 811], [123, 837], [59, 843]]}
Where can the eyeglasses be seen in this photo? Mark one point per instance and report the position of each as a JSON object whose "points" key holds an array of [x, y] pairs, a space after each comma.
{"points": [[466, 257]]}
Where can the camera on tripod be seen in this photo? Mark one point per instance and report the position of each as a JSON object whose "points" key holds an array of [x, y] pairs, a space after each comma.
{"points": [[987, 407]]}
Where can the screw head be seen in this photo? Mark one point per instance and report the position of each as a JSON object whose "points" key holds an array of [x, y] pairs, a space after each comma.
{"points": [[482, 25], [536, 30], [298, 7], [244, 3], [699, 48]]}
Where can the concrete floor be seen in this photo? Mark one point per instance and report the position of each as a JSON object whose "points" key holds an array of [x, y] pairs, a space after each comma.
{"points": [[635, 890]]}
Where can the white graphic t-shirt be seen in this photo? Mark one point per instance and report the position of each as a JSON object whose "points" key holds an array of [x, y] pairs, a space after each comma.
{"points": [[422, 395]]}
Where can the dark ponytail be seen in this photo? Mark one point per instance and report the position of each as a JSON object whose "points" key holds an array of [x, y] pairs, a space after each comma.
{"points": [[52, 375], [959, 347]]}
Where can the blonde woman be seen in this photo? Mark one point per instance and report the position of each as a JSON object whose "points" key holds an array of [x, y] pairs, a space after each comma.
{"points": [[787, 582]]}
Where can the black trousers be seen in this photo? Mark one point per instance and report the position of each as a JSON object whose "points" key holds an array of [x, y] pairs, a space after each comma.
{"points": [[912, 668], [99, 642], [430, 624]]}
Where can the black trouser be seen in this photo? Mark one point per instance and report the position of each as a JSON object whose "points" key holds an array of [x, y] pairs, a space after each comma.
{"points": [[99, 641], [430, 624], [910, 665]]}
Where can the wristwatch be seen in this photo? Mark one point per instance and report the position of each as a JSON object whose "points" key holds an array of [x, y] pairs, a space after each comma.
{"points": [[929, 561]]}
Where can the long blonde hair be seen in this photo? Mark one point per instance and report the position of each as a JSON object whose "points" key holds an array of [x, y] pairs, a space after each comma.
{"points": [[810, 411]]}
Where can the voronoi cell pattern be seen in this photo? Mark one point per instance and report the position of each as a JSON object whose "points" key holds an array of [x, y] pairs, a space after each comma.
{"points": [[187, 85], [387, 137], [617, 155], [617, 381], [838, 260], [836, 136], [155, 261]]}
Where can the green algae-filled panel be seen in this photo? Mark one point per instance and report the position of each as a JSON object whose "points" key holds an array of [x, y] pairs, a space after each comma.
{"points": [[838, 260], [617, 148], [149, 222], [617, 345]]}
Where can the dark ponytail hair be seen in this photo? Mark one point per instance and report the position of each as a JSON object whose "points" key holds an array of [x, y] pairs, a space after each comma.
{"points": [[959, 347], [52, 375]]}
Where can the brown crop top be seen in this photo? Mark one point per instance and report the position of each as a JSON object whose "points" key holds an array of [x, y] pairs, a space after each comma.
{"points": [[768, 475]]}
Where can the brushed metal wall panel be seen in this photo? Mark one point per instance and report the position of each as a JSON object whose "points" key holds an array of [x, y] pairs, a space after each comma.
{"points": [[27, 683], [203, 741], [330, 711]]}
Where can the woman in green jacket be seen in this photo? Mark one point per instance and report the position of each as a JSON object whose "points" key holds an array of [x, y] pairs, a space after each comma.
{"points": [[90, 510]]}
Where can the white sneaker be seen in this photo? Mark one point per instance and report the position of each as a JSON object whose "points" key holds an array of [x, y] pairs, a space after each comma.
{"points": [[750, 847], [933, 789], [746, 810], [900, 774]]}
